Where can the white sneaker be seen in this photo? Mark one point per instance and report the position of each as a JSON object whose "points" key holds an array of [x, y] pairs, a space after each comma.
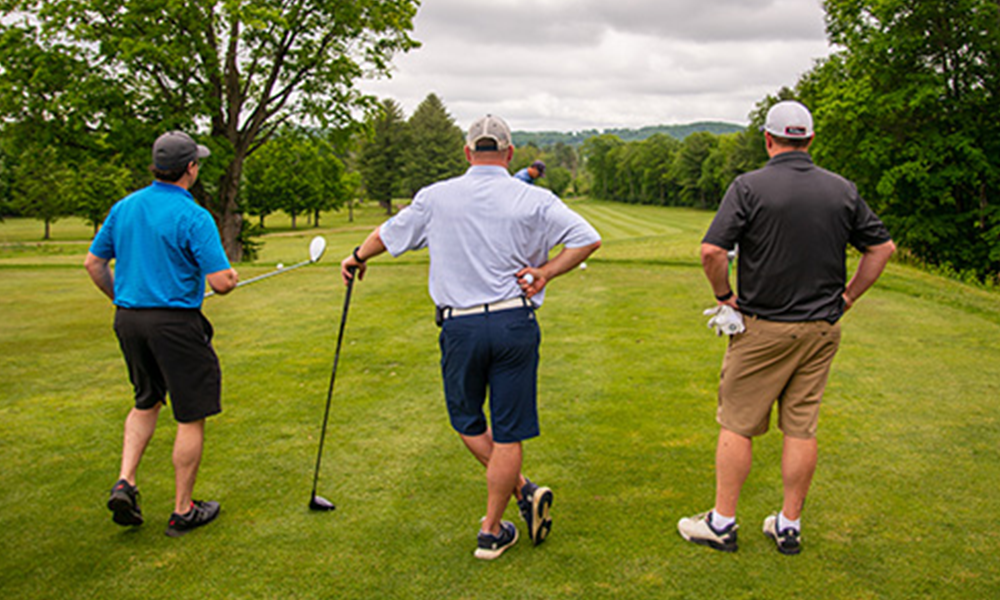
{"points": [[787, 539], [698, 529]]}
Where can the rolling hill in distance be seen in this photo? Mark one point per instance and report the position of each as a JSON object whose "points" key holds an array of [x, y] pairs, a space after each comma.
{"points": [[575, 138]]}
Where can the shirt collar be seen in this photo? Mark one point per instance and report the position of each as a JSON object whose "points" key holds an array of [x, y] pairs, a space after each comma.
{"points": [[490, 170], [164, 186], [791, 156]]}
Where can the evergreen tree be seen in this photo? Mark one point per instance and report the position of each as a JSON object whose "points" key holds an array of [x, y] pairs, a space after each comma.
{"points": [[435, 149], [383, 154]]}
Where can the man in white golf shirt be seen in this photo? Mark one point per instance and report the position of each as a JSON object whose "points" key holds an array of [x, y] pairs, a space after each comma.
{"points": [[489, 237]]}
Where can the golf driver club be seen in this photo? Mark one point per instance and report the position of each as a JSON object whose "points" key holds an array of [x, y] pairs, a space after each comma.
{"points": [[316, 248], [320, 503]]}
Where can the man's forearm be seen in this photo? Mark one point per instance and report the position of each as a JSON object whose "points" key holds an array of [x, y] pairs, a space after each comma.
{"points": [[715, 262], [870, 267], [100, 273], [567, 260]]}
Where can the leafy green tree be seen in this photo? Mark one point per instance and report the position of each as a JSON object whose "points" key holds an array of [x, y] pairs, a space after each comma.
{"points": [[5, 181], [336, 189], [95, 187], [658, 152], [600, 164], [687, 169], [435, 151], [565, 156], [242, 68], [41, 187], [296, 172], [559, 179], [908, 111], [383, 154]]}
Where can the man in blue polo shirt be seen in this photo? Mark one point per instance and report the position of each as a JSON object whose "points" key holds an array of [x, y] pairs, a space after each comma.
{"points": [[529, 174], [164, 246], [489, 238]]}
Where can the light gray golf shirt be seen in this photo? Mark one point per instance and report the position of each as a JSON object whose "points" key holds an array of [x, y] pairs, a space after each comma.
{"points": [[481, 228]]}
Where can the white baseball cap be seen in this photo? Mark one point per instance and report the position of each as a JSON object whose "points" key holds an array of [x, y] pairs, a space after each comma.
{"points": [[789, 119], [488, 128]]}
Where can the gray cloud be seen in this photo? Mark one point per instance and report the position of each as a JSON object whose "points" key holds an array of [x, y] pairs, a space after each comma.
{"points": [[593, 64]]}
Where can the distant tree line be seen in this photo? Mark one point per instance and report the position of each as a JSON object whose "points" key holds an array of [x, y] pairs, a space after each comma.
{"points": [[577, 138]]}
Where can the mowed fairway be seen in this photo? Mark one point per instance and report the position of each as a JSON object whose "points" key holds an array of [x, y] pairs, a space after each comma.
{"points": [[903, 504]]}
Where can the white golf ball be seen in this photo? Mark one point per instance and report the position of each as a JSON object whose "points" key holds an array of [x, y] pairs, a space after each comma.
{"points": [[281, 266], [529, 278], [583, 265]]}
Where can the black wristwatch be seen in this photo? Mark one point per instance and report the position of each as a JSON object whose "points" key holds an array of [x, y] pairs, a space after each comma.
{"points": [[721, 298], [354, 253]]}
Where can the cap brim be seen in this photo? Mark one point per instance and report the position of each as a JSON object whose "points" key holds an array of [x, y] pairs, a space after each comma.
{"points": [[203, 151]]}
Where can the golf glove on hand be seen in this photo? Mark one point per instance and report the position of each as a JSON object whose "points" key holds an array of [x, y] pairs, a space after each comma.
{"points": [[725, 320]]}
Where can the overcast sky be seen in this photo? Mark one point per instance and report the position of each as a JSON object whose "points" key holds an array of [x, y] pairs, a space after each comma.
{"points": [[570, 65]]}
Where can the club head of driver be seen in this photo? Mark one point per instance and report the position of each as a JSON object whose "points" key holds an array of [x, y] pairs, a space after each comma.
{"points": [[319, 503], [316, 248]]}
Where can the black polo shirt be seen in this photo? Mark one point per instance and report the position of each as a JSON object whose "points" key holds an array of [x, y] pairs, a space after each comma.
{"points": [[793, 221]]}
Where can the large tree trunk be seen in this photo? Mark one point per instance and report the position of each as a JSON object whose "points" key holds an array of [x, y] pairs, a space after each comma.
{"points": [[230, 217], [224, 208]]}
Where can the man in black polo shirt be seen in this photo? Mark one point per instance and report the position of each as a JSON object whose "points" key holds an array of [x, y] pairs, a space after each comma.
{"points": [[792, 221]]}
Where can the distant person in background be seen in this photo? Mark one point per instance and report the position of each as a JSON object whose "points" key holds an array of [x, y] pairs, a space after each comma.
{"points": [[164, 246], [529, 174], [793, 222]]}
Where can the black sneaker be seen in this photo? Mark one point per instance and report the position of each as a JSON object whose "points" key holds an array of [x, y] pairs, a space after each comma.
{"points": [[787, 539], [534, 504], [124, 503], [201, 513], [491, 546]]}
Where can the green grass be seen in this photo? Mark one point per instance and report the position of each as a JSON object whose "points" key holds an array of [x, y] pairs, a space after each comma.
{"points": [[902, 506]]}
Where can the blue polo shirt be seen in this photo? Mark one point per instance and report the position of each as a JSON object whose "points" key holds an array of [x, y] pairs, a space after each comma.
{"points": [[524, 176], [163, 244], [481, 228]]}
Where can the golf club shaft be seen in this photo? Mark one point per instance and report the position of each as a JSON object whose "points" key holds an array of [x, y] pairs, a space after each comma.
{"points": [[333, 377], [264, 276]]}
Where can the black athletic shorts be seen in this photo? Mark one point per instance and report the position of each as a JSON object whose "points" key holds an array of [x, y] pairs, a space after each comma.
{"points": [[170, 351]]}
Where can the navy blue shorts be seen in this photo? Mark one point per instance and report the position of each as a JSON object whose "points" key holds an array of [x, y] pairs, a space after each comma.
{"points": [[498, 351], [170, 351]]}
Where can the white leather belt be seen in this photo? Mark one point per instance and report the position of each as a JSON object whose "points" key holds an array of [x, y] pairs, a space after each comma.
{"points": [[518, 302]]}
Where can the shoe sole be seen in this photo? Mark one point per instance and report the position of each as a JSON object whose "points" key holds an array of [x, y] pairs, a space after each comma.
{"points": [[541, 519], [782, 549], [125, 512], [483, 554], [714, 545]]}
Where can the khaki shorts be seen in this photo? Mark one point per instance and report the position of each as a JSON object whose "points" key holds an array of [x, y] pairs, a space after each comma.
{"points": [[770, 362]]}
